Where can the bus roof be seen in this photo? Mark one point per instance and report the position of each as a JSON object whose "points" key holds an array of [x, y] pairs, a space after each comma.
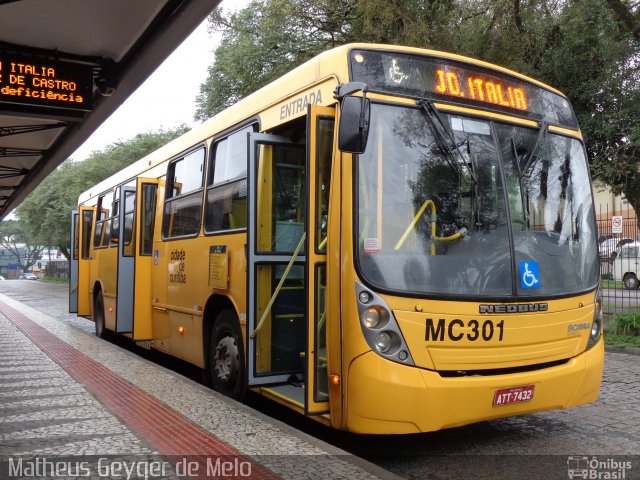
{"points": [[331, 64]]}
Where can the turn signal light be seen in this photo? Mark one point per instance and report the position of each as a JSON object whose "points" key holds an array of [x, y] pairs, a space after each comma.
{"points": [[180, 329], [334, 380]]}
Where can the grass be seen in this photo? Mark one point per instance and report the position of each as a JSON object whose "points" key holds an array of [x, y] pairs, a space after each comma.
{"points": [[621, 340], [54, 280], [627, 323], [608, 283], [627, 330]]}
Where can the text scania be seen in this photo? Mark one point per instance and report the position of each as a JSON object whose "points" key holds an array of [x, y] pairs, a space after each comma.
{"points": [[299, 105], [457, 330]]}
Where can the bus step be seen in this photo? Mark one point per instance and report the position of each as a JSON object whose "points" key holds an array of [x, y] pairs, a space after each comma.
{"points": [[146, 344]]}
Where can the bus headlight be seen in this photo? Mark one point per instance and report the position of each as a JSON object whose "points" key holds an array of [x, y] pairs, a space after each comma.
{"points": [[380, 328], [375, 317], [384, 342], [596, 326], [364, 297]]}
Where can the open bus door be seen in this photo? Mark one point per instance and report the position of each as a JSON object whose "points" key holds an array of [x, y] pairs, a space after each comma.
{"points": [[276, 266], [320, 127], [146, 201], [287, 268], [79, 289], [135, 249], [126, 260], [73, 263]]}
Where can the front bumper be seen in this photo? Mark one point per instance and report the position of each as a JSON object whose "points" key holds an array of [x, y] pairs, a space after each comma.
{"points": [[384, 397]]}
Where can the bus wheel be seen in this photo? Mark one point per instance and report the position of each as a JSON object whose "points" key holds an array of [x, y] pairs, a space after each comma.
{"points": [[631, 282], [98, 316], [226, 356]]}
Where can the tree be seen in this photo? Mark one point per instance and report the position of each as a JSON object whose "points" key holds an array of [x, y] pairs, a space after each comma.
{"points": [[589, 49], [628, 16], [607, 100], [263, 41], [17, 237], [47, 209]]}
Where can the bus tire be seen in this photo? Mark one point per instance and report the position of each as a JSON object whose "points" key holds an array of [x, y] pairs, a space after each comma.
{"points": [[226, 356], [98, 317], [631, 281]]}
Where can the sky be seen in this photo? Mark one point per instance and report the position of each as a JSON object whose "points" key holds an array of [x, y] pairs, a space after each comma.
{"points": [[153, 106]]}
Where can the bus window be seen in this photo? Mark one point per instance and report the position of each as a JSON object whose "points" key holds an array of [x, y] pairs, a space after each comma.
{"points": [[281, 220], [128, 230], [76, 236], [226, 204], [321, 384], [183, 206], [115, 222], [323, 176], [103, 220], [148, 217], [87, 220]]}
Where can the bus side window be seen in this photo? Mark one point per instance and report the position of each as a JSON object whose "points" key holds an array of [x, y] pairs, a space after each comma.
{"points": [[103, 220], [323, 178], [76, 236], [87, 220], [226, 200], [148, 218], [183, 204], [115, 221], [129, 207]]}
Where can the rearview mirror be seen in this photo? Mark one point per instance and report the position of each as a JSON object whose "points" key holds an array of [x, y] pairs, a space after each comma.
{"points": [[353, 130]]}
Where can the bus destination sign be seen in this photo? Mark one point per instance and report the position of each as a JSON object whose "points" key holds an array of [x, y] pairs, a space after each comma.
{"points": [[462, 83], [45, 83], [459, 81]]}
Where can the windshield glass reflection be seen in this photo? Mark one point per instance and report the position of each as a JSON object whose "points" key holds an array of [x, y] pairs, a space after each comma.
{"points": [[473, 214]]}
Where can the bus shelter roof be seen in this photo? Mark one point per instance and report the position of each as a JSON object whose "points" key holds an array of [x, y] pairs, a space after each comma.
{"points": [[66, 66]]}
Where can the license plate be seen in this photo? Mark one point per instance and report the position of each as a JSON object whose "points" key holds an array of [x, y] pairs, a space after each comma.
{"points": [[509, 396]]}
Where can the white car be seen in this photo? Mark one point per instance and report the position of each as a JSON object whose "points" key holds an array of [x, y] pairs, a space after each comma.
{"points": [[626, 265], [28, 276], [608, 248]]}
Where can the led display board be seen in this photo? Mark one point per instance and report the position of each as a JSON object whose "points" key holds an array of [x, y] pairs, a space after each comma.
{"points": [[458, 82], [32, 81]]}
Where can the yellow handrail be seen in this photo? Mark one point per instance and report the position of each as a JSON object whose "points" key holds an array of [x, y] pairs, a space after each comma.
{"points": [[415, 220], [277, 290], [460, 233]]}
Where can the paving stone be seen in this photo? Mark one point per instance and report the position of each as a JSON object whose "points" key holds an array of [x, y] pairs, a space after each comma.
{"points": [[45, 411]]}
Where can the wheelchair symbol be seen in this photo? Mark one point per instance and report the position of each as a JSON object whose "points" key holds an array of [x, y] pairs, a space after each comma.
{"points": [[529, 277]]}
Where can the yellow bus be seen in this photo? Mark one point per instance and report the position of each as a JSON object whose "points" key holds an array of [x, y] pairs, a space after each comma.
{"points": [[386, 239]]}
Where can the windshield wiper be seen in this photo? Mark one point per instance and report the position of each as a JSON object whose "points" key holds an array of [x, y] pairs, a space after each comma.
{"points": [[544, 127], [446, 147]]}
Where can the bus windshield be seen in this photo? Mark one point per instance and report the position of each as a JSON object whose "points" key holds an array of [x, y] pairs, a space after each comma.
{"points": [[454, 205]]}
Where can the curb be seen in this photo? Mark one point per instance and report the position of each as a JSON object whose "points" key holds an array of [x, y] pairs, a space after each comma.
{"points": [[627, 350]]}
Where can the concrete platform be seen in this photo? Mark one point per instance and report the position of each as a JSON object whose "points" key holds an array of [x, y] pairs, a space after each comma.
{"points": [[73, 405]]}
